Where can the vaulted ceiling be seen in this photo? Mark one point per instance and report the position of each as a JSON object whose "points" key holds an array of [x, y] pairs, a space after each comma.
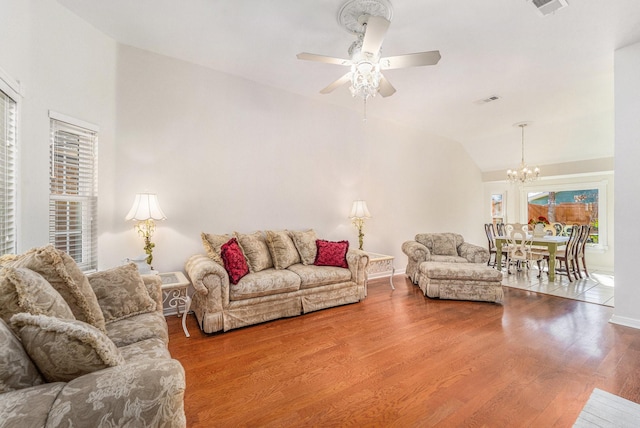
{"points": [[555, 71]]}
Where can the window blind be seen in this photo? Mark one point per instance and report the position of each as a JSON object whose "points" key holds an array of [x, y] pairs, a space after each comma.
{"points": [[73, 200], [7, 174]]}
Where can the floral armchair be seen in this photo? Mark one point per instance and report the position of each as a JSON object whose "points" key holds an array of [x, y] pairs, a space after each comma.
{"points": [[440, 247]]}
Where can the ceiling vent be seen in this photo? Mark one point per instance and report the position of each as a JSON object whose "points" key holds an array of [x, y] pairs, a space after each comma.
{"points": [[547, 7], [487, 100]]}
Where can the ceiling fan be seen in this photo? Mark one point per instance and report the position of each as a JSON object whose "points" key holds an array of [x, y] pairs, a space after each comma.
{"points": [[369, 20]]}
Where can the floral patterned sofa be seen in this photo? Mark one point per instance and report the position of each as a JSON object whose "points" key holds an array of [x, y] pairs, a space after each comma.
{"points": [[246, 279], [440, 247], [84, 351]]}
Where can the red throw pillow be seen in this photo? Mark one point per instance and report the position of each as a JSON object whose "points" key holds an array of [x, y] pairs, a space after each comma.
{"points": [[331, 253], [234, 261]]}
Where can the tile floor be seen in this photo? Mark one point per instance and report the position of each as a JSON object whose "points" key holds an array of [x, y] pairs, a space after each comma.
{"points": [[598, 288]]}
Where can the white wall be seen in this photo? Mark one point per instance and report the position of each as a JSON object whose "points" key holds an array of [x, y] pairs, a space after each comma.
{"points": [[65, 65], [225, 154], [627, 233]]}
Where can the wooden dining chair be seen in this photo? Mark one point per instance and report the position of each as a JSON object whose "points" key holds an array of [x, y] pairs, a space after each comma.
{"points": [[491, 239], [585, 230], [567, 257]]}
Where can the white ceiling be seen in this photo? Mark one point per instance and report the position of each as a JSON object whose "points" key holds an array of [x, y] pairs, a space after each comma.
{"points": [[554, 71]]}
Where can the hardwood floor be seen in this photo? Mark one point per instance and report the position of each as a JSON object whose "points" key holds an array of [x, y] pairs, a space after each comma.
{"points": [[401, 359]]}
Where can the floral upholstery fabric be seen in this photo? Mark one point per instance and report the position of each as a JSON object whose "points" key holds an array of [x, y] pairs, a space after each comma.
{"points": [[138, 328], [152, 348], [461, 281], [315, 276], [283, 251], [137, 394], [17, 371], [305, 243], [23, 290], [28, 407], [255, 250], [65, 349], [428, 246], [121, 292], [264, 283], [62, 272], [212, 245]]}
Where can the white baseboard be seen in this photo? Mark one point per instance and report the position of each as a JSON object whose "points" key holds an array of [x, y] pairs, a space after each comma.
{"points": [[625, 321]]}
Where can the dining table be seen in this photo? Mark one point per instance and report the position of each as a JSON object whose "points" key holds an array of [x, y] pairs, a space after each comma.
{"points": [[550, 242]]}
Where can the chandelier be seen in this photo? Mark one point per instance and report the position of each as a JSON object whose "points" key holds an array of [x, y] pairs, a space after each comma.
{"points": [[522, 174]]}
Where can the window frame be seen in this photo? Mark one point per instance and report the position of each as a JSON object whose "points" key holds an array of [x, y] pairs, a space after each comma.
{"points": [[601, 186], [73, 195], [12, 90]]}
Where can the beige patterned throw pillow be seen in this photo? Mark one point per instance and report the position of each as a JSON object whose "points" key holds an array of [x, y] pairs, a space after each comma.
{"points": [[255, 250], [305, 243], [62, 272], [121, 292], [282, 249], [16, 368], [23, 290], [212, 245], [64, 350]]}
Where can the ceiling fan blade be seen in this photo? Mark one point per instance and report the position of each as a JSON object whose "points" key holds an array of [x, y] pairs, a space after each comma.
{"points": [[341, 81], [385, 88], [322, 58], [374, 34], [410, 60]]}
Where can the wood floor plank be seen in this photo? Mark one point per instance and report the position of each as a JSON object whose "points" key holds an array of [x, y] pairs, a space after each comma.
{"points": [[401, 359]]}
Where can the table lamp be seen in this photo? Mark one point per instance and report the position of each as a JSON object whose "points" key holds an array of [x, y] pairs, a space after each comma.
{"points": [[359, 212], [146, 211]]}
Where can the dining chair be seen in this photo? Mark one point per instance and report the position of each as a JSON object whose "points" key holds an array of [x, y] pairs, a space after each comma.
{"points": [[580, 247], [559, 227], [567, 257], [520, 248], [491, 238], [500, 229], [549, 230]]}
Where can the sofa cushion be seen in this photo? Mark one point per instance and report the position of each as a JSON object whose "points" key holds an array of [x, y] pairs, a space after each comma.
{"points": [[265, 283], [29, 407], [65, 349], [283, 250], [17, 371], [305, 243], [234, 262], [212, 245], [62, 272], [23, 290], [332, 253], [255, 250], [138, 328], [316, 276], [448, 259], [121, 292], [144, 350]]}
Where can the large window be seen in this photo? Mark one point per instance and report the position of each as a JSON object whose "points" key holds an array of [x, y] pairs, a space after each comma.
{"points": [[8, 113], [581, 203], [73, 200]]}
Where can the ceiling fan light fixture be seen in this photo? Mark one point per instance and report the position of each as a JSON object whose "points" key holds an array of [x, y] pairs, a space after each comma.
{"points": [[365, 79]]}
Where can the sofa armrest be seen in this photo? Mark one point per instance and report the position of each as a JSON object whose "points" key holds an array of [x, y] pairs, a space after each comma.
{"points": [[138, 393], [473, 253], [357, 261], [416, 252], [154, 288]]}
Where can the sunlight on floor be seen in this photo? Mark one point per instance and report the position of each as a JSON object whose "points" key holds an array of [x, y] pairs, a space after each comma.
{"points": [[598, 288]]}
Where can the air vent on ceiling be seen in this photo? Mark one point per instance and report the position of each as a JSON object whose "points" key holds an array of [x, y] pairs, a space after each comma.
{"points": [[547, 7], [487, 100]]}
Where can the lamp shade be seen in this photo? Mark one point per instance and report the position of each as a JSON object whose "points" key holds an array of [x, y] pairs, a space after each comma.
{"points": [[359, 210], [145, 207]]}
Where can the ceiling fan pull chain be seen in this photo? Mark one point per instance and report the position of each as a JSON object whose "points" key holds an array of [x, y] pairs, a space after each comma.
{"points": [[364, 119]]}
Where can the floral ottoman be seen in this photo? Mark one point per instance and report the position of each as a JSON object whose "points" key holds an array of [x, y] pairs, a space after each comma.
{"points": [[460, 281]]}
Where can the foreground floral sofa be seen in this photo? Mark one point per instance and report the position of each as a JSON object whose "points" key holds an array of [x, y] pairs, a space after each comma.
{"points": [[440, 247], [84, 351], [246, 279]]}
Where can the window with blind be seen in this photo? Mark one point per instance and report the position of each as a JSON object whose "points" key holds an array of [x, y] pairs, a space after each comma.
{"points": [[73, 200], [8, 113]]}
